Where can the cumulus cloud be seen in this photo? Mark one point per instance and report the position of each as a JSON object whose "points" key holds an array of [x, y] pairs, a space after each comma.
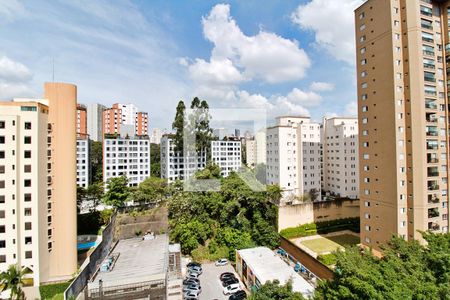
{"points": [[14, 79], [332, 22], [216, 72], [321, 86], [307, 99], [265, 56]]}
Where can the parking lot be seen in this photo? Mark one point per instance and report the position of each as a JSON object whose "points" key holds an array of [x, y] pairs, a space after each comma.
{"points": [[211, 285]]}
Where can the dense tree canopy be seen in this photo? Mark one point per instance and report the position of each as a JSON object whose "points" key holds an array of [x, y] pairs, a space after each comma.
{"points": [[273, 290], [407, 270], [155, 160], [117, 191], [96, 161], [151, 190], [235, 217], [178, 126]]}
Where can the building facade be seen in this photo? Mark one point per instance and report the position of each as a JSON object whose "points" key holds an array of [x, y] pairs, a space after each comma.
{"points": [[81, 119], [250, 153], [126, 156], [227, 155], [38, 184], [403, 118], [294, 157], [112, 120], [125, 119], [340, 157], [83, 171], [156, 135], [141, 123], [95, 121]]}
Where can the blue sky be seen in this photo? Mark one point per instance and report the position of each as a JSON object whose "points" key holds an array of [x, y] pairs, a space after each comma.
{"points": [[289, 57]]}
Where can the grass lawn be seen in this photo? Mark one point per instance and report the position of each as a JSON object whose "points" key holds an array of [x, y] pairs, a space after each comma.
{"points": [[329, 244], [53, 291]]}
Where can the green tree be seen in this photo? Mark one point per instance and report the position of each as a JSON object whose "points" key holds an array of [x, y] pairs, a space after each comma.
{"points": [[13, 279], [81, 196], [151, 190], [273, 290], [407, 270], [117, 191], [155, 160], [96, 161], [94, 193], [191, 234], [178, 125], [210, 171]]}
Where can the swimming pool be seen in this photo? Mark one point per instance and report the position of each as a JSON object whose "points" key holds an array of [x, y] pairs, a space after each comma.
{"points": [[86, 245]]}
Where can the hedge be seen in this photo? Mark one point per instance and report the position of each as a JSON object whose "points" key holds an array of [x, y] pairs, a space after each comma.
{"points": [[321, 227], [327, 259]]}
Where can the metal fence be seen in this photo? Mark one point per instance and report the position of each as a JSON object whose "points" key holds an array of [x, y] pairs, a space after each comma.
{"points": [[99, 253]]}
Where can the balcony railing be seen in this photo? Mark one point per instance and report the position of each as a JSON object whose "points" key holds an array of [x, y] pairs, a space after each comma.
{"points": [[432, 133], [432, 160], [430, 106], [429, 53], [433, 199], [429, 79], [433, 213], [428, 40], [433, 187], [430, 93], [428, 66], [431, 120], [433, 226], [433, 173]]}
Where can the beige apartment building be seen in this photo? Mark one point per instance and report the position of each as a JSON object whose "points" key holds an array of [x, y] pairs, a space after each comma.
{"points": [[38, 184], [403, 117]]}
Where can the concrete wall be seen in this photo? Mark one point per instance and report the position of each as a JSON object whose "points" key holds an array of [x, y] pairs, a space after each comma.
{"points": [[299, 214], [127, 225]]}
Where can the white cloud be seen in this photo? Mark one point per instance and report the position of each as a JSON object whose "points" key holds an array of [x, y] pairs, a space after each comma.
{"points": [[217, 72], [265, 55], [14, 79], [321, 86], [304, 98], [332, 21], [351, 108], [11, 9]]}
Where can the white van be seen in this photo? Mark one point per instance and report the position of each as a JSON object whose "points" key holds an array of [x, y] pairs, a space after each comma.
{"points": [[232, 288]]}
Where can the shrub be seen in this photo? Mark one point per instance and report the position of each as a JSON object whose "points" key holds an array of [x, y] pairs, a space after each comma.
{"points": [[327, 259], [321, 227]]}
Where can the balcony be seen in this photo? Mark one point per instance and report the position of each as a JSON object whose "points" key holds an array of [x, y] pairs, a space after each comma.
{"points": [[433, 226], [427, 39], [432, 172], [428, 53], [431, 118], [433, 199], [433, 186], [432, 133], [430, 93], [433, 213], [432, 158], [429, 78], [430, 105]]}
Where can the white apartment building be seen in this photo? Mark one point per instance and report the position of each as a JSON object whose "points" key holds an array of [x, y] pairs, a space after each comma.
{"points": [[294, 156], [126, 156], [174, 166], [94, 121], [340, 157], [155, 137], [250, 153], [227, 155], [129, 112], [83, 162]]}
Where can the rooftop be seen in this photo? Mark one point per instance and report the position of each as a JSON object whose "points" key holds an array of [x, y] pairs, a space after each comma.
{"points": [[267, 266], [139, 260]]}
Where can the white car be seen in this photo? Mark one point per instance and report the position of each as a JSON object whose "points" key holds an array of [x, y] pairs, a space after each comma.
{"points": [[191, 295], [195, 269], [193, 288], [222, 262], [193, 275], [231, 289]]}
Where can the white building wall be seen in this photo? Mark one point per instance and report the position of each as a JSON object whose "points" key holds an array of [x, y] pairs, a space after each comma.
{"points": [[129, 112], [261, 152], [94, 121], [227, 155], [341, 165], [250, 153], [83, 163], [156, 135], [129, 157]]}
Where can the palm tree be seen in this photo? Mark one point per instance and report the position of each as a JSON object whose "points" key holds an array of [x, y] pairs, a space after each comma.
{"points": [[13, 279]]}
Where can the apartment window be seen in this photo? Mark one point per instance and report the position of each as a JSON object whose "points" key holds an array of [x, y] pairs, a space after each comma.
{"points": [[27, 182], [427, 24], [27, 125], [27, 140], [2, 154], [364, 85], [366, 203], [2, 258], [27, 154], [28, 226], [398, 62], [363, 61], [27, 211], [365, 109], [362, 15], [2, 228], [364, 96], [362, 50], [367, 239], [2, 124], [28, 240], [2, 244], [2, 139], [396, 23], [398, 75], [426, 11], [362, 27], [27, 197], [366, 144], [27, 168], [365, 132], [362, 39], [28, 254], [402, 224], [397, 36], [367, 227]]}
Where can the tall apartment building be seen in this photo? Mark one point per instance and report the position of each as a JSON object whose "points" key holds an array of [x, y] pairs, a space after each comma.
{"points": [[294, 156], [81, 119], [38, 184], [141, 123], [124, 118], [126, 156], [256, 149], [95, 121], [173, 165], [155, 137], [83, 171], [340, 157], [227, 155], [403, 118]]}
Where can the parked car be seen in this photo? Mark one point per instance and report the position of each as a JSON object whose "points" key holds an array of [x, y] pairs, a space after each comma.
{"points": [[222, 262], [191, 295], [194, 275], [239, 295], [228, 281], [231, 289], [226, 275], [193, 264], [191, 281], [191, 298], [193, 288], [195, 269]]}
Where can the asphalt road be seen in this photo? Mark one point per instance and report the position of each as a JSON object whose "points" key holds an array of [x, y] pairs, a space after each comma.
{"points": [[210, 282]]}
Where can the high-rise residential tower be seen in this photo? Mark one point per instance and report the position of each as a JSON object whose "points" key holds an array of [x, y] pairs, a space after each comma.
{"points": [[38, 184], [81, 119], [95, 121], [401, 49]]}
